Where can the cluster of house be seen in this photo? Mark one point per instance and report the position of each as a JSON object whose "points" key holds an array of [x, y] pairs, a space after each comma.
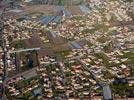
{"points": [[16, 34], [67, 79], [102, 50], [1, 73], [105, 16], [22, 88]]}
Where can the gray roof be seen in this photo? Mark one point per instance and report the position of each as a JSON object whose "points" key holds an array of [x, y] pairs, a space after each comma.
{"points": [[107, 94]]}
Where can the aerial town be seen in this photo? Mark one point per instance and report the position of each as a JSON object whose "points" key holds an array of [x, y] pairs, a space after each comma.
{"points": [[66, 50]]}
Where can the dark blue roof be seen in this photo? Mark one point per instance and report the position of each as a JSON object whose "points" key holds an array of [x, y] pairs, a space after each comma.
{"points": [[47, 19], [57, 19]]}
